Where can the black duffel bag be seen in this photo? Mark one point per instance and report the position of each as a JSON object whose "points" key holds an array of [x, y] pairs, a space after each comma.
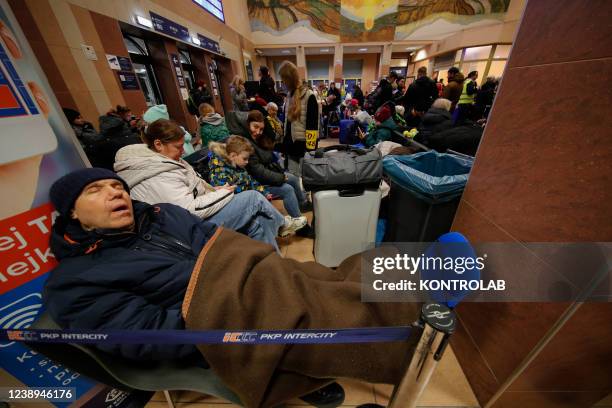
{"points": [[341, 167]]}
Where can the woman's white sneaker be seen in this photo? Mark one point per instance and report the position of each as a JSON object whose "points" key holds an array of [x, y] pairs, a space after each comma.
{"points": [[292, 225]]}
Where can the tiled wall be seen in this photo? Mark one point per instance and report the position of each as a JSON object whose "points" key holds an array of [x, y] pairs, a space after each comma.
{"points": [[542, 173]]}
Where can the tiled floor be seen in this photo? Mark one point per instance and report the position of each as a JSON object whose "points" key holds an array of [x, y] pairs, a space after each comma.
{"points": [[447, 388]]}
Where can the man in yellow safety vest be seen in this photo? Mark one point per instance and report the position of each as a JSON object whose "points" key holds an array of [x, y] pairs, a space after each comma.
{"points": [[466, 100]]}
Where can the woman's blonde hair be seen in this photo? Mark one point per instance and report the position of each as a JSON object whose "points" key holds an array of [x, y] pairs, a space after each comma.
{"points": [[233, 144], [205, 109], [290, 76], [237, 81]]}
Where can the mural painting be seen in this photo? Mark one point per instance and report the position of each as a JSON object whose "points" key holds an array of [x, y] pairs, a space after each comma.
{"points": [[367, 20]]}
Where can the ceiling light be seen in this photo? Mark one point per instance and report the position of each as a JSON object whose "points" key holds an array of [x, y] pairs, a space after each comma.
{"points": [[324, 50], [195, 40], [363, 49], [144, 22], [286, 52]]}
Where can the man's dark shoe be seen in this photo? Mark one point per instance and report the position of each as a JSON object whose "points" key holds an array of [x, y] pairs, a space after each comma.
{"points": [[306, 232], [306, 206], [330, 396], [370, 406]]}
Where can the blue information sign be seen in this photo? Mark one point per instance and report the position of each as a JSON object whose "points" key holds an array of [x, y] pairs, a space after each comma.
{"points": [[209, 44], [128, 80], [125, 63], [163, 25], [20, 307]]}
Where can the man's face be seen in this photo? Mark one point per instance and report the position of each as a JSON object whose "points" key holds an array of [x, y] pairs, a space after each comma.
{"points": [[450, 75], [104, 204]]}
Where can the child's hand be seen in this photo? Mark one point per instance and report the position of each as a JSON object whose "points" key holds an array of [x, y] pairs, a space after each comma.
{"points": [[226, 187]]}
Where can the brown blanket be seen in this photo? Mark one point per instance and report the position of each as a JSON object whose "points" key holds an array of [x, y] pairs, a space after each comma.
{"points": [[239, 284]]}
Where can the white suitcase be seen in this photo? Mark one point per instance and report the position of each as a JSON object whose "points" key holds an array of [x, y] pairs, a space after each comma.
{"points": [[344, 224]]}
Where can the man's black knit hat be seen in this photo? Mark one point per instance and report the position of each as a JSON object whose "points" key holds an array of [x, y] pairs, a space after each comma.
{"points": [[67, 189]]}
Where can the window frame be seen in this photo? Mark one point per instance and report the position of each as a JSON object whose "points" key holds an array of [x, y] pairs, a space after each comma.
{"points": [[144, 58], [222, 10]]}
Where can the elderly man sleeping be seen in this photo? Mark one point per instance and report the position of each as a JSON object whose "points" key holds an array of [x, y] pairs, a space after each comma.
{"points": [[124, 264]]}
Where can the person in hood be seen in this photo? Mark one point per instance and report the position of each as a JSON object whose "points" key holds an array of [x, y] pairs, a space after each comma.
{"points": [[454, 88], [383, 129], [161, 112], [127, 265], [156, 173], [228, 162], [212, 125], [118, 128], [228, 167], [90, 140], [436, 119], [421, 93]]}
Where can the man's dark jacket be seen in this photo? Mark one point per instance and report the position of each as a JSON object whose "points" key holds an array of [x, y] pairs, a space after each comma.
{"points": [[434, 121], [127, 280], [420, 94], [464, 139]]}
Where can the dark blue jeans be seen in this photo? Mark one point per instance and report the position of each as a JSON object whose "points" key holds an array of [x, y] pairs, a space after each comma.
{"points": [[291, 193]]}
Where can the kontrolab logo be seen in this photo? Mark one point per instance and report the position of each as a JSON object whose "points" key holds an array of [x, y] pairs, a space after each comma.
{"points": [[239, 337], [20, 314]]}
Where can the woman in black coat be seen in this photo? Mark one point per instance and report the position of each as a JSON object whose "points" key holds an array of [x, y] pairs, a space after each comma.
{"points": [[358, 94], [436, 119]]}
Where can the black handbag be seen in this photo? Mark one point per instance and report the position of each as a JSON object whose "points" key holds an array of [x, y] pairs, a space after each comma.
{"points": [[342, 167]]}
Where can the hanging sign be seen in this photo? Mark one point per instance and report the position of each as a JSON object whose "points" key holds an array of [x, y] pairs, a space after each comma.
{"points": [[163, 25]]}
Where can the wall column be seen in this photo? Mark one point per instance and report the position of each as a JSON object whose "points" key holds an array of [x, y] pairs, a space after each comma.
{"points": [[300, 59], [385, 61], [534, 181], [338, 55]]}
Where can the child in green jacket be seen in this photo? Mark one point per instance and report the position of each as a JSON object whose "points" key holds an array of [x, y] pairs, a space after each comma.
{"points": [[212, 125]]}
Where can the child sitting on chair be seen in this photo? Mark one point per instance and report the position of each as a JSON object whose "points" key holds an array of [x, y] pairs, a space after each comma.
{"points": [[228, 162], [227, 166]]}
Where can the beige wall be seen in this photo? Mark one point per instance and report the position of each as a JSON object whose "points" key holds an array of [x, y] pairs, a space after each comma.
{"points": [[62, 26], [237, 16], [369, 69], [330, 64]]}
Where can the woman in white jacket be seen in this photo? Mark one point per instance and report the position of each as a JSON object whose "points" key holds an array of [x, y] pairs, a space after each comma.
{"points": [[156, 173]]}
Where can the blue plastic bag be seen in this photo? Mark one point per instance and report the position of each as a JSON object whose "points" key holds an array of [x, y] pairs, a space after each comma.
{"points": [[431, 176]]}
